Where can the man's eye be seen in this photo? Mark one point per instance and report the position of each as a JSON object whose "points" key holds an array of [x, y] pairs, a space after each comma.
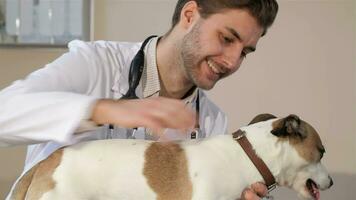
{"points": [[243, 54], [228, 40]]}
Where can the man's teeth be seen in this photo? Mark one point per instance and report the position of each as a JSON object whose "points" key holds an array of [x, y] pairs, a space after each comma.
{"points": [[213, 67]]}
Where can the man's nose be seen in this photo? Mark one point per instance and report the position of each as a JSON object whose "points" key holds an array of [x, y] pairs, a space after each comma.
{"points": [[232, 58]]}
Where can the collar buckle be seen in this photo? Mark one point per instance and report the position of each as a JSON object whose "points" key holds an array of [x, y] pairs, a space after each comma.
{"points": [[272, 187], [240, 134]]}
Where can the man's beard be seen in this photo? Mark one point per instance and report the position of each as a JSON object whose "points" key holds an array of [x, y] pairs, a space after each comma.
{"points": [[190, 57]]}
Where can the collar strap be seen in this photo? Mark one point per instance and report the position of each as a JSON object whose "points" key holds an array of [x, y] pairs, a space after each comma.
{"points": [[240, 137]]}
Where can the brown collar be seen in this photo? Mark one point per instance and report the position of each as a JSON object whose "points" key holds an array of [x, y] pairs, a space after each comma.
{"points": [[268, 177]]}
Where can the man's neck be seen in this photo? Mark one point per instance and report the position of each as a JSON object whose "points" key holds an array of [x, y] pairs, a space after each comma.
{"points": [[173, 80]]}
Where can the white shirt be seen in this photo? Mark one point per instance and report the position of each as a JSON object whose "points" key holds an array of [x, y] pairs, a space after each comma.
{"points": [[53, 103]]}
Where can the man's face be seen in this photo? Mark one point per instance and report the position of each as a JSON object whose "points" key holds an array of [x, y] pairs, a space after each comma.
{"points": [[215, 47]]}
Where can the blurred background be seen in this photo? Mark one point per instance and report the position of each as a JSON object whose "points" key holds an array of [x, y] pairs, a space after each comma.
{"points": [[306, 65], [44, 22]]}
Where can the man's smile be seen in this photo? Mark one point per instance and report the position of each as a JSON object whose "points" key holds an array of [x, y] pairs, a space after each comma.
{"points": [[214, 71]]}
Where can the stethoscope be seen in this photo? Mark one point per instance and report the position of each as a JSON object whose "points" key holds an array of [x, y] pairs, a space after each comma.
{"points": [[135, 73]]}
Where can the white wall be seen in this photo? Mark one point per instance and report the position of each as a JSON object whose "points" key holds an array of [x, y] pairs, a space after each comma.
{"points": [[131, 20]]}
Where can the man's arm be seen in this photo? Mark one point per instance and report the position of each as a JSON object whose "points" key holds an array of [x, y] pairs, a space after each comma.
{"points": [[155, 113], [51, 103]]}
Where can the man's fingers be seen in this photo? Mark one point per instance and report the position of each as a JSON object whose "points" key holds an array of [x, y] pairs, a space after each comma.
{"points": [[260, 189], [255, 192], [249, 194]]}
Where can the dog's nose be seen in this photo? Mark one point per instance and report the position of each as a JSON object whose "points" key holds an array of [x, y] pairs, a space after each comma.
{"points": [[331, 181]]}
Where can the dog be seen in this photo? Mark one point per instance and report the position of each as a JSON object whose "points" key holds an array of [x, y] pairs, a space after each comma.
{"points": [[215, 168]]}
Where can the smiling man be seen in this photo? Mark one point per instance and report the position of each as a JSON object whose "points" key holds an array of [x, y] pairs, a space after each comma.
{"points": [[206, 50], [75, 98]]}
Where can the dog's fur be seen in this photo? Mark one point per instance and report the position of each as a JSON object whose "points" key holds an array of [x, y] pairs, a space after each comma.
{"points": [[215, 168]]}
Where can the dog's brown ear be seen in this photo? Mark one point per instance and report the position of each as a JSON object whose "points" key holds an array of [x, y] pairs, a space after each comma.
{"points": [[262, 117], [289, 126]]}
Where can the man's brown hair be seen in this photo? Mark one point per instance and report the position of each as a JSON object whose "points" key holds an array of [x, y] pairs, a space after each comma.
{"points": [[264, 11]]}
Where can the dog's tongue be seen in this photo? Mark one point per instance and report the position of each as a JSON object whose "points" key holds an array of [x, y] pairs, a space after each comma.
{"points": [[316, 192]]}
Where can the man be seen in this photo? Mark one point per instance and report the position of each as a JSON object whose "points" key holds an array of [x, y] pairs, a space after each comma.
{"points": [[75, 97]]}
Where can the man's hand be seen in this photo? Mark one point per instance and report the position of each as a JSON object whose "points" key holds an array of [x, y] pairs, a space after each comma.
{"points": [[155, 113], [255, 192]]}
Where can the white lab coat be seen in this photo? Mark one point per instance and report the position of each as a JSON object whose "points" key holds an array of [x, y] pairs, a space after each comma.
{"points": [[54, 102]]}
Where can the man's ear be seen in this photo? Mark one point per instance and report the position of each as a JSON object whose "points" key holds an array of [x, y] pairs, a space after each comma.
{"points": [[189, 14], [289, 127]]}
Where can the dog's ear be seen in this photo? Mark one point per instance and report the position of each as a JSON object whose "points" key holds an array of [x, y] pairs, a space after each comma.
{"points": [[289, 126], [262, 117]]}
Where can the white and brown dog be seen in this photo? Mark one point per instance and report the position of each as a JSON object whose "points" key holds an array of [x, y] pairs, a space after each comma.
{"points": [[215, 168]]}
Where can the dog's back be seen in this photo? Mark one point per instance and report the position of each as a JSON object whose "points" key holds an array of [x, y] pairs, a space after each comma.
{"points": [[209, 169], [118, 169]]}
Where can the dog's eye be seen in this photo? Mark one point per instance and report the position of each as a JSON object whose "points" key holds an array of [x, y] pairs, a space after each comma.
{"points": [[321, 151]]}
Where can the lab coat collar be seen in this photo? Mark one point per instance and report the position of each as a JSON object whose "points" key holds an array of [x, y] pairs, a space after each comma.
{"points": [[150, 77], [149, 83]]}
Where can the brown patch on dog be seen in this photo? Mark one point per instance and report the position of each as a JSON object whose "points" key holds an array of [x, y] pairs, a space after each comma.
{"points": [[261, 118], [38, 180], [309, 146], [22, 185], [166, 171]]}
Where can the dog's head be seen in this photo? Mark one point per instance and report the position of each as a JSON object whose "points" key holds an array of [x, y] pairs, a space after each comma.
{"points": [[303, 148]]}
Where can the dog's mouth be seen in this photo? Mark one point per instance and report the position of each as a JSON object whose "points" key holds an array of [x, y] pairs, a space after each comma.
{"points": [[313, 189]]}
